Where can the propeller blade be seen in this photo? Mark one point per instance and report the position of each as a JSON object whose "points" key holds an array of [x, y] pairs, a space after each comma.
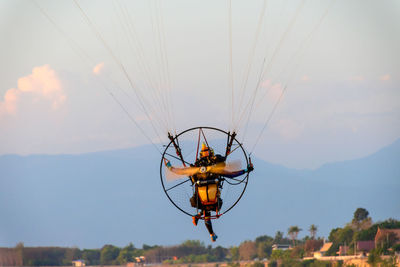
{"points": [[222, 168], [173, 173]]}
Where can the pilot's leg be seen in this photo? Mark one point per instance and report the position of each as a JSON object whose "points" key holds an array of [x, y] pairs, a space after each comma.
{"points": [[207, 222], [195, 203], [196, 218]]}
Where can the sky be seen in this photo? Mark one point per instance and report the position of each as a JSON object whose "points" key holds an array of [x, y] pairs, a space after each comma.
{"points": [[333, 67]]}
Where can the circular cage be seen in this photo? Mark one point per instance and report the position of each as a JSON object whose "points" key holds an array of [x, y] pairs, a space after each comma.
{"points": [[183, 150]]}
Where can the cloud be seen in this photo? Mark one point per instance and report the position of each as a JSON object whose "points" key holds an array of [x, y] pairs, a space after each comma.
{"points": [[98, 68], [275, 92], [385, 77], [272, 90], [266, 83], [305, 78], [357, 78], [42, 84], [9, 103], [288, 129]]}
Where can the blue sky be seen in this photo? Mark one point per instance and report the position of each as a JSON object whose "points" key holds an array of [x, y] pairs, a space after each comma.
{"points": [[342, 96]]}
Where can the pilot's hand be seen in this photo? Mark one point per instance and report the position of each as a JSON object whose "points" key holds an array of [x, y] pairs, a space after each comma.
{"points": [[250, 167], [167, 163]]}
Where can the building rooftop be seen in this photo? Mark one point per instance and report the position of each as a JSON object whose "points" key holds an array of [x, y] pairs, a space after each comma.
{"points": [[365, 245], [326, 247]]}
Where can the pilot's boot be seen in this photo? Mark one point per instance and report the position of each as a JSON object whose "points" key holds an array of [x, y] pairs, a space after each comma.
{"points": [[213, 237], [195, 219]]}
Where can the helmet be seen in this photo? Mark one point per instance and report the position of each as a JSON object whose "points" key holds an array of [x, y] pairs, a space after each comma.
{"points": [[206, 151]]}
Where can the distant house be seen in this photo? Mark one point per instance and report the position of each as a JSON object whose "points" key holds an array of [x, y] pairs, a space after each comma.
{"points": [[281, 247], [140, 260], [383, 234], [78, 263], [323, 250], [363, 247]]}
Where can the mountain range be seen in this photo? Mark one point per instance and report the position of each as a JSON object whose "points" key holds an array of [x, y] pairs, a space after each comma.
{"points": [[115, 197]]}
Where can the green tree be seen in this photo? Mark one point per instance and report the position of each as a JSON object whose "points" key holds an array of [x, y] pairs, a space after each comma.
{"points": [[126, 254], [44, 256], [279, 254], [361, 221], [293, 231], [147, 247], [340, 236], [264, 246], [374, 257], [264, 249], [219, 253], [91, 256], [264, 238], [70, 255], [109, 254], [360, 214], [234, 251], [278, 237], [313, 230]]}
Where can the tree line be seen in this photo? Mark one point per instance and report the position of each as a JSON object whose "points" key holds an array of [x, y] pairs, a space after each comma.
{"points": [[360, 228]]}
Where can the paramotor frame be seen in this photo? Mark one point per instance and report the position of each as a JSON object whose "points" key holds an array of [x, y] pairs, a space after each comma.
{"points": [[180, 191]]}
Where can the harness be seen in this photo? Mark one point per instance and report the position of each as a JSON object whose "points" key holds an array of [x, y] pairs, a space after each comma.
{"points": [[208, 192]]}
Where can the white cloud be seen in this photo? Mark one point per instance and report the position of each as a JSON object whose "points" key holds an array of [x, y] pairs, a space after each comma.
{"points": [[357, 78], [385, 77], [98, 68], [9, 103], [266, 83], [288, 129], [275, 92], [42, 84], [305, 78]]}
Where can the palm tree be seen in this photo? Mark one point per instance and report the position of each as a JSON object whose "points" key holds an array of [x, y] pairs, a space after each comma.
{"points": [[313, 230], [293, 231]]}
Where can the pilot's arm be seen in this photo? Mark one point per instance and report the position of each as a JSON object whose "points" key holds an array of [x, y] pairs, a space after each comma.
{"points": [[234, 174]]}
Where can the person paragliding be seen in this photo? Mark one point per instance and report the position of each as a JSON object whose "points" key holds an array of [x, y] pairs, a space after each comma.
{"points": [[207, 174]]}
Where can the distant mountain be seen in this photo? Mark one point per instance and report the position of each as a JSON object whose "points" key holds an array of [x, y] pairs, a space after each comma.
{"points": [[115, 197]]}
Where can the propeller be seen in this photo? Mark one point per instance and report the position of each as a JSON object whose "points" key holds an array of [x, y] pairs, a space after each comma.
{"points": [[175, 173]]}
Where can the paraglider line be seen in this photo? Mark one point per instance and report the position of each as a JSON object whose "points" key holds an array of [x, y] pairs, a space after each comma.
{"points": [[205, 139], [269, 119], [233, 150], [198, 144]]}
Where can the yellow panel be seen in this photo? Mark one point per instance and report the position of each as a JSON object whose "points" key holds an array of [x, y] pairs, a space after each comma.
{"points": [[209, 198]]}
